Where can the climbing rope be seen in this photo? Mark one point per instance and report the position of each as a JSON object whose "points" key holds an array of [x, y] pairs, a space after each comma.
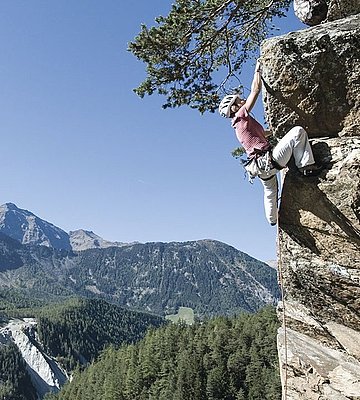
{"points": [[281, 280]]}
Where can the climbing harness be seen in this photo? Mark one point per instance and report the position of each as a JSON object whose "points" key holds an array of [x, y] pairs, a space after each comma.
{"points": [[281, 281], [262, 165]]}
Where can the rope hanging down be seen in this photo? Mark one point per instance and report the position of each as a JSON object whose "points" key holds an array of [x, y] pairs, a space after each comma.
{"points": [[281, 281]]}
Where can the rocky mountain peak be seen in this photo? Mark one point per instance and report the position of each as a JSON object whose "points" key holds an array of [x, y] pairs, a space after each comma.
{"points": [[82, 239], [25, 227], [9, 206]]}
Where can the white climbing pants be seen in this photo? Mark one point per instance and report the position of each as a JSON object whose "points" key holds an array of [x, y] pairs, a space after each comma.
{"points": [[294, 143], [270, 199]]}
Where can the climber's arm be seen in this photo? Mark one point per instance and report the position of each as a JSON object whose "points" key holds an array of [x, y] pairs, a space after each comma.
{"points": [[255, 88]]}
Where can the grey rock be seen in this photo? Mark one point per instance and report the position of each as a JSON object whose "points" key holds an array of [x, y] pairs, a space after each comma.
{"points": [[347, 337], [312, 79], [45, 372], [320, 262], [339, 9], [316, 371]]}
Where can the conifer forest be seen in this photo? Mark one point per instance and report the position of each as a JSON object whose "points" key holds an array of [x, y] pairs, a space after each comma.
{"points": [[223, 358]]}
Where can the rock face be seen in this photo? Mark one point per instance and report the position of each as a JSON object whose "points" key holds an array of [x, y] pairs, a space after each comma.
{"points": [[313, 80], [46, 375], [342, 8], [27, 228]]}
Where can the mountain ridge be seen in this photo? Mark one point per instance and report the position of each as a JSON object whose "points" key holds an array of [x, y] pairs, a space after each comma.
{"points": [[27, 228], [82, 239], [208, 276]]}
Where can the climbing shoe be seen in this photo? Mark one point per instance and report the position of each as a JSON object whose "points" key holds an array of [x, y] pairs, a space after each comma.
{"points": [[311, 170]]}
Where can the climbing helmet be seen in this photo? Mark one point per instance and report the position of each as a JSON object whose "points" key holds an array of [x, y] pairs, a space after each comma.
{"points": [[226, 103]]}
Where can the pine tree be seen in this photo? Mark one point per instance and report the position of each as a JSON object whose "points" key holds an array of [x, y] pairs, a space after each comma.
{"points": [[220, 359], [185, 49]]}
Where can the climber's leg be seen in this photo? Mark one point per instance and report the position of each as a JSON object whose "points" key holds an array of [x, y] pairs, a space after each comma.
{"points": [[270, 199], [296, 143]]}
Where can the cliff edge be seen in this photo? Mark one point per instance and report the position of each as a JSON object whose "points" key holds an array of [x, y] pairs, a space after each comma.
{"points": [[312, 78]]}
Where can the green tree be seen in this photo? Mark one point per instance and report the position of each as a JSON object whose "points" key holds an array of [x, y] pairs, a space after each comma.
{"points": [[220, 359], [15, 383], [184, 51], [6, 390]]}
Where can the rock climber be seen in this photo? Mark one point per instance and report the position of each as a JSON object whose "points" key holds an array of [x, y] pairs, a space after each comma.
{"points": [[263, 160]]}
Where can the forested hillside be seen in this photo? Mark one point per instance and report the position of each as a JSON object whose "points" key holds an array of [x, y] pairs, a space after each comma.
{"points": [[11, 299], [221, 358], [76, 331], [15, 382], [225, 358], [70, 335], [208, 276]]}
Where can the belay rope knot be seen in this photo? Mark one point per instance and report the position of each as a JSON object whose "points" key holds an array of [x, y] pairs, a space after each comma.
{"points": [[283, 371]]}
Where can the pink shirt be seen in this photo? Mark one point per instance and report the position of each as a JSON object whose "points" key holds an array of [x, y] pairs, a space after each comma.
{"points": [[249, 132]]}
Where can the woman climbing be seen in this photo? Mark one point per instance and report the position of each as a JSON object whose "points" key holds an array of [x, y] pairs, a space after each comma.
{"points": [[265, 161]]}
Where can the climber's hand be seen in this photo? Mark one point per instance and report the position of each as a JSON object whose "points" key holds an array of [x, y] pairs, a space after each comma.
{"points": [[258, 66]]}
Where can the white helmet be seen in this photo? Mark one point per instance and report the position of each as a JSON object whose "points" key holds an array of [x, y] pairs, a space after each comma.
{"points": [[226, 103]]}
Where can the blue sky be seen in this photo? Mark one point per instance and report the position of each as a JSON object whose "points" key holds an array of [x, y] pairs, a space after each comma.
{"points": [[81, 150]]}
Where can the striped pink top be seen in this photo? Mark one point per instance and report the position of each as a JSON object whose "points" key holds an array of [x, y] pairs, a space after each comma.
{"points": [[249, 132]]}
